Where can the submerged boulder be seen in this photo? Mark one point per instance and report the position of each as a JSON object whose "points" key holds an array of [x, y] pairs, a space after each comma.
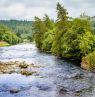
{"points": [[14, 90]]}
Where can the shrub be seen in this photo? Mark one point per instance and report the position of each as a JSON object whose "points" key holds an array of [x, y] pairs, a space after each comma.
{"points": [[89, 60]]}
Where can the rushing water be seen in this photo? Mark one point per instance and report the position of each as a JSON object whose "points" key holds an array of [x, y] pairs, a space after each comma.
{"points": [[56, 78]]}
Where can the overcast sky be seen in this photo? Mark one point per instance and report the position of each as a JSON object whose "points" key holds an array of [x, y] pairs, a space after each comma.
{"points": [[27, 9]]}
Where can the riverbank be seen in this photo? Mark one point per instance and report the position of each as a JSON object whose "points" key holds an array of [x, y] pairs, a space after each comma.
{"points": [[83, 65], [3, 43]]}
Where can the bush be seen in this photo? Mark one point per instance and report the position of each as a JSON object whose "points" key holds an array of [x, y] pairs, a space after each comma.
{"points": [[89, 61]]}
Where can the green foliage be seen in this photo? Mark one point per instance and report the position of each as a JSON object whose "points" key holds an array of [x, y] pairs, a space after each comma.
{"points": [[61, 28], [61, 13], [48, 40], [42, 29], [93, 25], [87, 43], [6, 34], [23, 29], [69, 38], [39, 29], [78, 40]]}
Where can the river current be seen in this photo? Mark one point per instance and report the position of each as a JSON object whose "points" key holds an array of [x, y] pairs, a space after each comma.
{"points": [[56, 77]]}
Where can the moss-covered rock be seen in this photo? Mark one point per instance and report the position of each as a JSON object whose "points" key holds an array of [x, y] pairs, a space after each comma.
{"points": [[24, 65], [26, 72], [88, 62], [13, 67]]}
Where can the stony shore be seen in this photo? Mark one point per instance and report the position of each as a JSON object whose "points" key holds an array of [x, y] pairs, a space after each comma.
{"points": [[16, 67]]}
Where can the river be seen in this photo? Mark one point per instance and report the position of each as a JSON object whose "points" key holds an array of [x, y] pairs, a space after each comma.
{"points": [[56, 77]]}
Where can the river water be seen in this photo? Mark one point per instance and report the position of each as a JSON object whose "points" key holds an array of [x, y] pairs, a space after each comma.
{"points": [[56, 77]]}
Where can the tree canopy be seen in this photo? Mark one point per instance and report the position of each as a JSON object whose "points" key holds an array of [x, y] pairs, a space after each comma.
{"points": [[6, 34], [65, 37]]}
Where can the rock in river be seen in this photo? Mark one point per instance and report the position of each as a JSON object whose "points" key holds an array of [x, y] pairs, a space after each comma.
{"points": [[14, 90]]}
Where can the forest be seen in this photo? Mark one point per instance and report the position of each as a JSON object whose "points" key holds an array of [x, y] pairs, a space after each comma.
{"points": [[65, 37], [23, 29], [70, 38], [7, 35]]}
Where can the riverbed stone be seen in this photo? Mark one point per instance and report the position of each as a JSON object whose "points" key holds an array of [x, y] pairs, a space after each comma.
{"points": [[72, 85], [62, 90], [27, 73], [15, 67], [14, 90], [23, 65], [43, 87]]}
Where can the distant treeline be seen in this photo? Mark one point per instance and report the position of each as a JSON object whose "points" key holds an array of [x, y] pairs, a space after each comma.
{"points": [[23, 29], [8, 35]]}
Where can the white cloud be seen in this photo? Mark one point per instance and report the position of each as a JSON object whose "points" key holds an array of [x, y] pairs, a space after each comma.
{"points": [[16, 10], [27, 9], [76, 7]]}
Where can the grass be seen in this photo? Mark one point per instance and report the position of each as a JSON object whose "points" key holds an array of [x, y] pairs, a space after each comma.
{"points": [[2, 43]]}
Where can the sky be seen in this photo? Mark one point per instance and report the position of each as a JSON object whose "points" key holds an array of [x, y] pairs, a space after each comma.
{"points": [[28, 9]]}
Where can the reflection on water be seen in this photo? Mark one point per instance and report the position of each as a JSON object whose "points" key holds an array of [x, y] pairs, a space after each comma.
{"points": [[58, 78]]}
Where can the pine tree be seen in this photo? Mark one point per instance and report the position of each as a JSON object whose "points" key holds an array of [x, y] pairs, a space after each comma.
{"points": [[61, 28]]}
